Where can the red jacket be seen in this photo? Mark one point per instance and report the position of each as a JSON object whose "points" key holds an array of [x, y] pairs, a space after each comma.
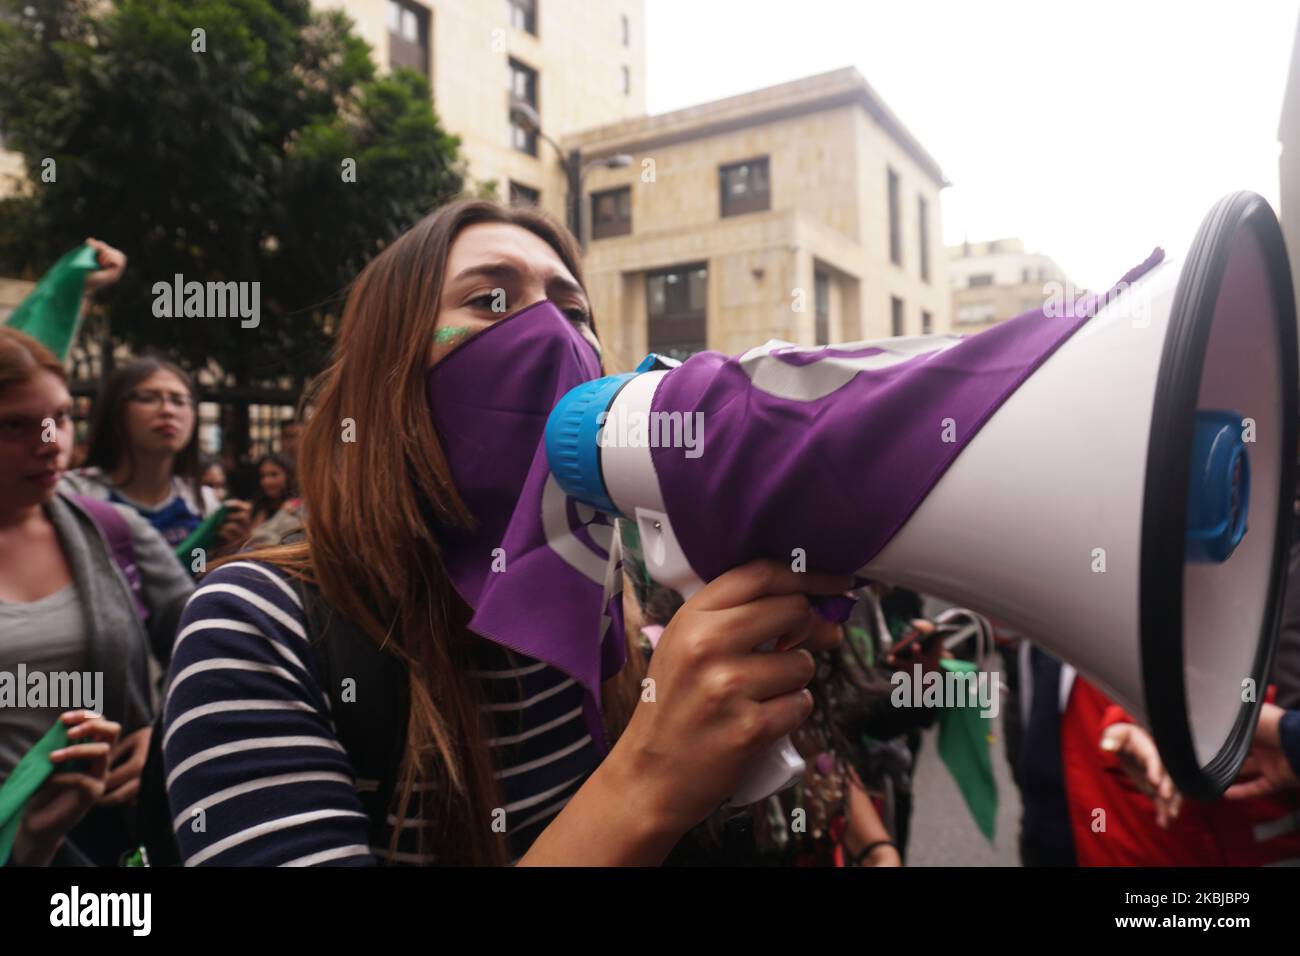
{"points": [[1222, 833]]}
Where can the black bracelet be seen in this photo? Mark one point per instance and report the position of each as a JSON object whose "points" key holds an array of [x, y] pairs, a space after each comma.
{"points": [[862, 854]]}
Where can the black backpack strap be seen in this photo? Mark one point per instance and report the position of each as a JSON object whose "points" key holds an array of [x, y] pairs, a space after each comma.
{"points": [[370, 699]]}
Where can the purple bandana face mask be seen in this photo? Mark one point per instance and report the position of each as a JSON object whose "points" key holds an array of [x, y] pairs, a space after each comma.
{"points": [[541, 572]]}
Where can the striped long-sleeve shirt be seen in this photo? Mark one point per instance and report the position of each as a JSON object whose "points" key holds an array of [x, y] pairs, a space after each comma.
{"points": [[255, 773]]}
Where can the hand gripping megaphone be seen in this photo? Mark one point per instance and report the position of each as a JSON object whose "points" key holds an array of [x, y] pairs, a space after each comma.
{"points": [[1112, 477]]}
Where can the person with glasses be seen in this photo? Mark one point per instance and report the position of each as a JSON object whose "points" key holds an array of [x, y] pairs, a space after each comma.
{"points": [[144, 453]]}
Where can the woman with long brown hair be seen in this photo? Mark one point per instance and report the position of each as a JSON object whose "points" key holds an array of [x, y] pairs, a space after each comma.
{"points": [[508, 749], [86, 588]]}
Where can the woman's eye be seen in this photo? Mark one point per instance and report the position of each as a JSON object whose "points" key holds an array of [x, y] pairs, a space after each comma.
{"points": [[578, 315], [490, 302]]}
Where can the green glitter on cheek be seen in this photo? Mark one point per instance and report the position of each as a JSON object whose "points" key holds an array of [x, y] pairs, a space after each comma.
{"points": [[451, 334]]}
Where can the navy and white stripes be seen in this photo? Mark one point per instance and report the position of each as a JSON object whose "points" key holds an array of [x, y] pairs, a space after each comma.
{"points": [[255, 773]]}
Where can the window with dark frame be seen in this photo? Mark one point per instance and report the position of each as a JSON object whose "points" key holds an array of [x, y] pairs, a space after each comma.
{"points": [[627, 31], [822, 307], [923, 222], [676, 310], [627, 81], [895, 240], [745, 187], [523, 15], [521, 195], [523, 89], [895, 315], [611, 213], [927, 323], [408, 36], [980, 279]]}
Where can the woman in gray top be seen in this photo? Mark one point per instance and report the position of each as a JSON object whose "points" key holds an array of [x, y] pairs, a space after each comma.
{"points": [[86, 588]]}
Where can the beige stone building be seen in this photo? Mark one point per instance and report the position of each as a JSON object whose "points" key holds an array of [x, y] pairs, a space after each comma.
{"points": [[12, 291], [575, 63], [998, 280], [804, 211]]}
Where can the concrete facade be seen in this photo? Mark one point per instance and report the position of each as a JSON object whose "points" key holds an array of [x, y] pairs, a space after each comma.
{"points": [[829, 143], [998, 280], [578, 54]]}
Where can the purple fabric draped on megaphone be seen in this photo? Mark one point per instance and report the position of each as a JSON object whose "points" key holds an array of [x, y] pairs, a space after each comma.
{"points": [[541, 571], [830, 450]]}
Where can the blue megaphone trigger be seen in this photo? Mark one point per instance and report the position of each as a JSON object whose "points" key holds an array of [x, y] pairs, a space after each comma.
{"points": [[1219, 487], [573, 440]]}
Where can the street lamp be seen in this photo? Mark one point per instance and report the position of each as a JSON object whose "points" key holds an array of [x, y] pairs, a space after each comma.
{"points": [[575, 173]]}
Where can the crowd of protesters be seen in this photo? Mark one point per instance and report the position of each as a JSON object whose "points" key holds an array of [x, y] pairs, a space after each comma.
{"points": [[225, 701]]}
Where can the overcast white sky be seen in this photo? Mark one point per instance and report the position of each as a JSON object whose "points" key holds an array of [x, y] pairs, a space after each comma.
{"points": [[1093, 130]]}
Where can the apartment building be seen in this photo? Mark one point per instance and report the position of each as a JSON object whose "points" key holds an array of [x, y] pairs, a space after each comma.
{"points": [[570, 65], [804, 211], [997, 280]]}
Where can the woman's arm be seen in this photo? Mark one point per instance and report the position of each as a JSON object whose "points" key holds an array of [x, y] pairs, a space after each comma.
{"points": [[255, 774], [865, 828], [717, 706]]}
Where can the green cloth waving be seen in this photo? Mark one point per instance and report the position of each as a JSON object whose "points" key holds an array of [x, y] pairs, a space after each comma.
{"points": [[24, 781], [51, 313], [204, 536], [964, 749]]}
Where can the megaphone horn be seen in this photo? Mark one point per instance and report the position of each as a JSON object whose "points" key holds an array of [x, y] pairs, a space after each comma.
{"points": [[1112, 479]]}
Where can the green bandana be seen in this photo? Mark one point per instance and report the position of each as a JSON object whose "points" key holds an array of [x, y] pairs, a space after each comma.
{"points": [[964, 749], [24, 781], [51, 312], [203, 536]]}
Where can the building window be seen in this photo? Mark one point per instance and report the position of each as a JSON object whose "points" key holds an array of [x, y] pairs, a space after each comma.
{"points": [[745, 187], [1025, 276], [611, 213], [676, 303], [523, 89], [627, 81], [408, 36], [627, 31], [923, 222], [927, 323], [895, 315], [521, 195], [974, 314], [822, 307], [980, 279], [895, 243], [523, 15]]}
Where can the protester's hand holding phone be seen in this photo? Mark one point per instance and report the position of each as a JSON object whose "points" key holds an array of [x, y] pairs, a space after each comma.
{"points": [[70, 791], [923, 644]]}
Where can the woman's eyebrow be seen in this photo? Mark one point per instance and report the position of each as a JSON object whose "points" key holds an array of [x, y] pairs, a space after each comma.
{"points": [[502, 272], [563, 284]]}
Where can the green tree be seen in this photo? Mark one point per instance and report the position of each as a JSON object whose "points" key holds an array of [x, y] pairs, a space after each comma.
{"points": [[214, 139]]}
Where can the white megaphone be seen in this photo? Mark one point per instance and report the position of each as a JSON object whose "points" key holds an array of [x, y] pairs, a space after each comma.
{"points": [[1127, 505]]}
